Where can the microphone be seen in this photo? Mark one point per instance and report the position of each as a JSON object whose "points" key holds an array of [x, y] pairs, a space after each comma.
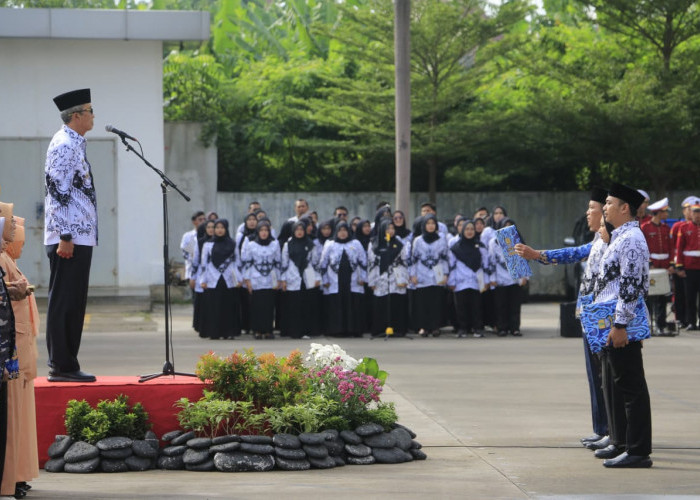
{"points": [[121, 134]]}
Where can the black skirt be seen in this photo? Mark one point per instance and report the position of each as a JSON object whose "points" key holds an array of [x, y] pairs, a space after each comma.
{"points": [[428, 304], [245, 308], [298, 313], [383, 316], [197, 310], [342, 311], [262, 310], [219, 315]]}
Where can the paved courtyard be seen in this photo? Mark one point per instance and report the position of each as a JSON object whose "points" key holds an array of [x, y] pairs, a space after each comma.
{"points": [[497, 417]]}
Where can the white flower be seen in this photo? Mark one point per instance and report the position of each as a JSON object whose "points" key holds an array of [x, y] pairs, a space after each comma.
{"points": [[322, 355]]}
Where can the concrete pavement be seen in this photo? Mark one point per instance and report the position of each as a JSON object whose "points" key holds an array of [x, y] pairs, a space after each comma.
{"points": [[498, 417]]}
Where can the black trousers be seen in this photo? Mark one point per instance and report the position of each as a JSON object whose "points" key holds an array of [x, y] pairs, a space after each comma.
{"points": [[467, 304], [627, 398], [679, 298], [692, 289], [68, 293], [508, 301], [657, 308]]}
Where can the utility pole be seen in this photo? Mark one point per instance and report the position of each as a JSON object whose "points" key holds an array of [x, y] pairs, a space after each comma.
{"points": [[402, 84]]}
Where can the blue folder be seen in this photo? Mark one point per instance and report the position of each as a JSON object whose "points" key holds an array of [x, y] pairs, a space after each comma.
{"points": [[597, 320], [518, 267]]}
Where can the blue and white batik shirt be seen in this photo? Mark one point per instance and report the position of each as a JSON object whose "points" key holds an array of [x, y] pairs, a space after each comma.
{"points": [[624, 271], [71, 204]]}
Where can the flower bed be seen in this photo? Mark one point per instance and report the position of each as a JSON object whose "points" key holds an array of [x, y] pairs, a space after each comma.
{"points": [[258, 413]]}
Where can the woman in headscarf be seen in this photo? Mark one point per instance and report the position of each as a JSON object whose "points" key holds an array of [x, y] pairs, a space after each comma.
{"points": [[450, 311], [362, 234], [388, 260], [298, 279], [343, 272], [508, 292], [219, 278], [205, 232], [250, 223], [8, 352], [21, 456], [353, 224], [400, 229], [383, 212], [428, 273], [459, 224], [469, 264], [323, 235], [261, 260]]}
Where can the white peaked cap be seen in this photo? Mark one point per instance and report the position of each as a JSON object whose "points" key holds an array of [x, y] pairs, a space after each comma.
{"points": [[658, 205]]}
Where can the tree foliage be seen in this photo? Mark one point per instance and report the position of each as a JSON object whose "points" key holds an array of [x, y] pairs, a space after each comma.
{"points": [[299, 95]]}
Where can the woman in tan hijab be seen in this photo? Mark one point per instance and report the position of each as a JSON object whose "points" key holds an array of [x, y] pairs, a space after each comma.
{"points": [[21, 455]]}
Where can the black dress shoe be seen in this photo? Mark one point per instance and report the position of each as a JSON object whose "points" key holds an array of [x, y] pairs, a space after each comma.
{"points": [[76, 376], [591, 439], [600, 444], [628, 461], [609, 451]]}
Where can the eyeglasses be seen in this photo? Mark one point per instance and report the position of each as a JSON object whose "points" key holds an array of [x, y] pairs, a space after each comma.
{"points": [[90, 110], [342, 214]]}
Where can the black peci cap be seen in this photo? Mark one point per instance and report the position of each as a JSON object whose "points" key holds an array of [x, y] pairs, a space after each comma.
{"points": [[72, 98], [628, 195], [599, 194]]}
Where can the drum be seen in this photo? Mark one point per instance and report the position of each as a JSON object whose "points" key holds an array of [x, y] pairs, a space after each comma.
{"points": [[659, 282]]}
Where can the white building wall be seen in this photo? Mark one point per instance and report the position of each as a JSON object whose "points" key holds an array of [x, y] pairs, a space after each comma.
{"points": [[126, 82]]}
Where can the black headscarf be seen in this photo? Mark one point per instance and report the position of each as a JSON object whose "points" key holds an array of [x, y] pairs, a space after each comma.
{"points": [[340, 224], [429, 237], [467, 249], [493, 222], [248, 233], [460, 219], [299, 248], [224, 247], [508, 220], [360, 236], [322, 239], [401, 231], [383, 213], [417, 227], [483, 221], [386, 251], [262, 223], [308, 221], [202, 236]]}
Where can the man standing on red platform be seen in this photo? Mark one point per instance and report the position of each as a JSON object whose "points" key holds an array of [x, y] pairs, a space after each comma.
{"points": [[688, 264], [658, 236], [70, 233]]}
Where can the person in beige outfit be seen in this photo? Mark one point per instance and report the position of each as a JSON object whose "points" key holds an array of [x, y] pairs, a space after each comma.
{"points": [[21, 454]]}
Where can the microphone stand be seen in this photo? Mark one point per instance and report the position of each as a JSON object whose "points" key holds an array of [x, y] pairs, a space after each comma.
{"points": [[168, 367]]}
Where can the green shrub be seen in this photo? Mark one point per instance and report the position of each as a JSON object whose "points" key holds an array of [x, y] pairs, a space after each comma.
{"points": [[212, 416], [266, 380], [108, 419], [384, 415]]}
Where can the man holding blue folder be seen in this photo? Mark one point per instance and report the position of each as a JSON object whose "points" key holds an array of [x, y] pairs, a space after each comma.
{"points": [[624, 278]]}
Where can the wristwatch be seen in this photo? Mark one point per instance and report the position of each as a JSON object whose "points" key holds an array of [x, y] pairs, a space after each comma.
{"points": [[66, 237]]}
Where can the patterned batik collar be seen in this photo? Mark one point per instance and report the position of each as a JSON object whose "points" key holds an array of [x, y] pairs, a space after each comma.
{"points": [[623, 229]]}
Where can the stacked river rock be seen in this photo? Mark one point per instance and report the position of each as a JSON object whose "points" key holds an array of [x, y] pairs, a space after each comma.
{"points": [[368, 444]]}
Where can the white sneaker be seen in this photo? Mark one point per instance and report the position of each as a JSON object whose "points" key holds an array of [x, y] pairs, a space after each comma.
{"points": [[478, 335], [305, 337]]}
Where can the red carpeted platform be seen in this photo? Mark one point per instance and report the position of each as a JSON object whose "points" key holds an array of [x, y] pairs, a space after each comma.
{"points": [[157, 396]]}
